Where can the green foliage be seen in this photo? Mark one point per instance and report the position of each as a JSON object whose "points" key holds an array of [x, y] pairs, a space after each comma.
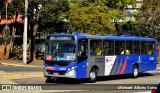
{"points": [[149, 18], [17, 51], [95, 16], [90, 20], [53, 14], [15, 7], [53, 11]]}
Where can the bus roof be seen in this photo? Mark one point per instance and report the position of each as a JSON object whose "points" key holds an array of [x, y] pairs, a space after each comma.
{"points": [[119, 38]]}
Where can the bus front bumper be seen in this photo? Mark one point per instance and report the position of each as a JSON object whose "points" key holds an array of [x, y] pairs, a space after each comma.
{"points": [[70, 74]]}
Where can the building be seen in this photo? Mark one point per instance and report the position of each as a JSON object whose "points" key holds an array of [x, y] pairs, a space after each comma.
{"points": [[14, 19]]}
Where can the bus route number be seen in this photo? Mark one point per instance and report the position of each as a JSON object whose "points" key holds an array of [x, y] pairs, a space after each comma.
{"points": [[151, 58]]}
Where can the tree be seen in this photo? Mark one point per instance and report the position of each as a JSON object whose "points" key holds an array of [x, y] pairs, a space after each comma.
{"points": [[53, 15], [46, 16], [149, 18], [10, 10], [96, 16], [90, 20], [17, 8]]}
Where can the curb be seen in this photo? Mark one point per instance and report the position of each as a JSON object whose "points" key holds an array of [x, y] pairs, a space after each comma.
{"points": [[158, 68], [18, 65]]}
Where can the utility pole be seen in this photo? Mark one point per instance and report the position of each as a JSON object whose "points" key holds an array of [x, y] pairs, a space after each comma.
{"points": [[25, 33], [6, 12]]}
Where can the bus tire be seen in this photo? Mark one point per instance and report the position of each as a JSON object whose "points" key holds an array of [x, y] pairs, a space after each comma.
{"points": [[93, 75], [135, 71]]}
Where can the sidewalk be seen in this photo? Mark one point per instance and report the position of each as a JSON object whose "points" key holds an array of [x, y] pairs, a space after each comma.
{"points": [[10, 62], [158, 66]]}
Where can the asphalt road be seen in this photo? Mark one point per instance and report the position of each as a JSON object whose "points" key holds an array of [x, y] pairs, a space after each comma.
{"points": [[151, 77], [103, 85]]}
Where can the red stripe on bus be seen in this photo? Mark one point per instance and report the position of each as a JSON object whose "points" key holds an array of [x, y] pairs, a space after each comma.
{"points": [[124, 66]]}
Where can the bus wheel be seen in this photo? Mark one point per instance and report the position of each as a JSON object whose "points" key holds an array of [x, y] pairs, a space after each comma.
{"points": [[135, 71], [93, 76], [50, 80]]}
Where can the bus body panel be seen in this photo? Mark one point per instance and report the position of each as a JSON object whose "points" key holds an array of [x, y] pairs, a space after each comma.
{"points": [[106, 64], [120, 66], [145, 63], [81, 69], [149, 62], [123, 64], [59, 71], [96, 61]]}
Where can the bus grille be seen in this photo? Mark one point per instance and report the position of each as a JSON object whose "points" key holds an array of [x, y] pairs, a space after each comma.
{"points": [[57, 63]]}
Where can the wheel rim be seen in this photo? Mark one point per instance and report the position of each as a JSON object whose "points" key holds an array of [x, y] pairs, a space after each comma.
{"points": [[92, 75], [135, 72]]}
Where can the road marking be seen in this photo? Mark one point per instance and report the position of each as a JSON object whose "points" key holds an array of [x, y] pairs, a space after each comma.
{"points": [[154, 71], [141, 92], [129, 81], [141, 80]]}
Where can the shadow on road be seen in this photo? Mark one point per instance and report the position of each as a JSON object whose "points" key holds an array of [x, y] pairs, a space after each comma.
{"points": [[119, 77], [102, 78]]}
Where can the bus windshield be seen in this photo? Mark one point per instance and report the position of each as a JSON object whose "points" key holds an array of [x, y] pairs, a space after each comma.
{"points": [[59, 51]]}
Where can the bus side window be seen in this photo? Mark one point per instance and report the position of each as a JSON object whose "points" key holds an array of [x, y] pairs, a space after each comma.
{"points": [[99, 48], [150, 48], [108, 47], [129, 47], [144, 48], [96, 47], [120, 47], [92, 48], [136, 47], [122, 51]]}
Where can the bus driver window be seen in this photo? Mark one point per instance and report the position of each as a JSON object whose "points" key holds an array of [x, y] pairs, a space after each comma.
{"points": [[81, 51], [82, 48]]}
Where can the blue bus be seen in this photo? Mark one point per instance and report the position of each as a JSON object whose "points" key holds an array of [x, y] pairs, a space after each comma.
{"points": [[82, 56]]}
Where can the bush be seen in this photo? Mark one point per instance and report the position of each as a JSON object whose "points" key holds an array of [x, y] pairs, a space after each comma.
{"points": [[18, 51]]}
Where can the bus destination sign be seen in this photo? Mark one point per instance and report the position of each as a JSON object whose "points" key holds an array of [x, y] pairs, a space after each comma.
{"points": [[60, 38]]}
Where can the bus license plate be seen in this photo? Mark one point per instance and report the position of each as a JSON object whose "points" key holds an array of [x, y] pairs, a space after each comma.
{"points": [[55, 73]]}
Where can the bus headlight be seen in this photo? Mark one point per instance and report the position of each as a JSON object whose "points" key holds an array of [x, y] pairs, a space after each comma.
{"points": [[71, 68]]}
